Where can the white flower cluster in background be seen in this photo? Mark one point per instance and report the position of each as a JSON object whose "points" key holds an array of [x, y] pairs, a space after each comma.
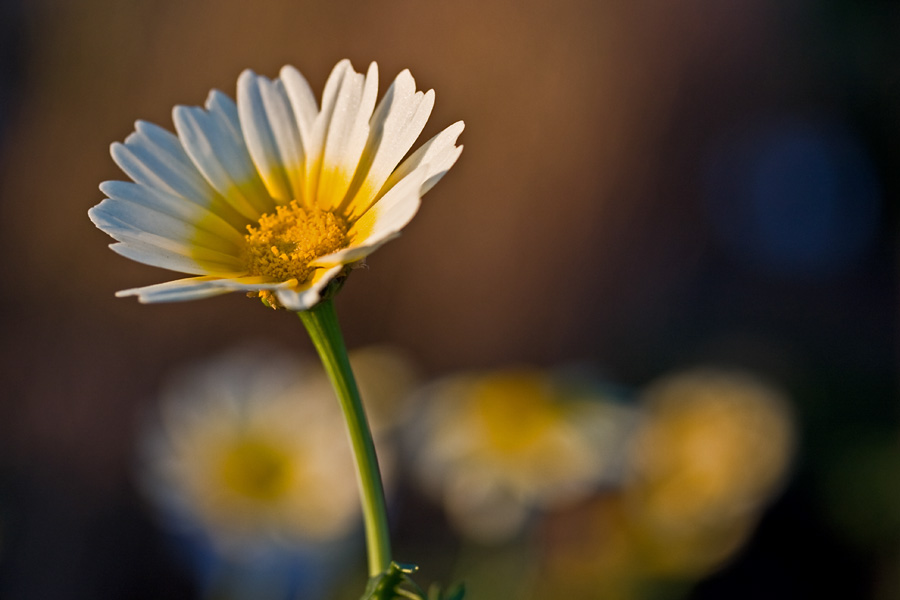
{"points": [[251, 447]]}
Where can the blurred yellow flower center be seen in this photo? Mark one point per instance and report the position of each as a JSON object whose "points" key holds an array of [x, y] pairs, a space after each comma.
{"points": [[283, 244], [257, 469], [515, 412]]}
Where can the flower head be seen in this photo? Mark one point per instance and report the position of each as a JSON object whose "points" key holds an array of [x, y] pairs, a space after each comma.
{"points": [[251, 452], [496, 446], [713, 448], [274, 194], [710, 448]]}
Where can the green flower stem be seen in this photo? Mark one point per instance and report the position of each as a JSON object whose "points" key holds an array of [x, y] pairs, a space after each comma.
{"points": [[322, 324]]}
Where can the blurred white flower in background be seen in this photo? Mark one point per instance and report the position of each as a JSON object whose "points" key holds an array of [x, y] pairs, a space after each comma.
{"points": [[710, 450], [492, 448], [252, 451], [713, 448], [250, 456]]}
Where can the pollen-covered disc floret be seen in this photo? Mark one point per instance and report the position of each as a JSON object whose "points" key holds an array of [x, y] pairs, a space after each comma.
{"points": [[274, 194], [283, 243]]}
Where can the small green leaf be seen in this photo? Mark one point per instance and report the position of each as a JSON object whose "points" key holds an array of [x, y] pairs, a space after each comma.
{"points": [[396, 584], [456, 592]]}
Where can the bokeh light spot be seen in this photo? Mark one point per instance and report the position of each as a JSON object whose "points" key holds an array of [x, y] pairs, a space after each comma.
{"points": [[796, 197]]}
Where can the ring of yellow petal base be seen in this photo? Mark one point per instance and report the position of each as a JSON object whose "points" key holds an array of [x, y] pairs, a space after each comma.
{"points": [[284, 243]]}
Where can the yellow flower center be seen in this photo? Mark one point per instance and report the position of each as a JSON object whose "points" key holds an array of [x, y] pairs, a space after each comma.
{"points": [[257, 469], [283, 243], [516, 411]]}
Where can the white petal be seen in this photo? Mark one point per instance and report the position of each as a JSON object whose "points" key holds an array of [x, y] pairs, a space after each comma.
{"points": [[437, 155], [396, 124], [382, 222], [206, 285], [218, 150], [354, 253], [193, 288], [174, 206], [225, 109], [309, 294], [302, 99], [251, 283], [154, 157], [287, 132], [155, 256], [272, 134], [315, 145], [348, 130], [166, 243], [395, 209], [140, 217]]}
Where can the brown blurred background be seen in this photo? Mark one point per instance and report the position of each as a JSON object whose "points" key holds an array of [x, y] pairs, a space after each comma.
{"points": [[644, 186]]}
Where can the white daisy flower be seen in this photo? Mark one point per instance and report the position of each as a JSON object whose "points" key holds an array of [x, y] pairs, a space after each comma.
{"points": [[245, 449], [273, 195], [713, 444], [713, 448], [495, 447]]}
